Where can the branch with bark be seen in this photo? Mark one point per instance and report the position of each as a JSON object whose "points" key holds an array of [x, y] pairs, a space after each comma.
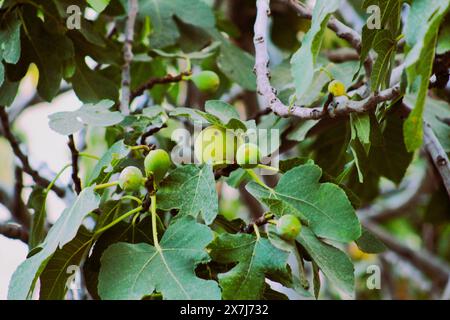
{"points": [[14, 231], [340, 105], [155, 81], [133, 7], [26, 166], [75, 168]]}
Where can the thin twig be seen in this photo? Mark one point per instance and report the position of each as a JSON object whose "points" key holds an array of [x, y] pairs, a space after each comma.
{"points": [[75, 168], [26, 167], [154, 81], [14, 231], [133, 7], [18, 209], [423, 260]]}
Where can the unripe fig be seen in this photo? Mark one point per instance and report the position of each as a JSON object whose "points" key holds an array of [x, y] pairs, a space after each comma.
{"points": [[248, 155], [156, 164], [337, 88], [131, 179], [206, 81], [215, 145], [288, 227]]}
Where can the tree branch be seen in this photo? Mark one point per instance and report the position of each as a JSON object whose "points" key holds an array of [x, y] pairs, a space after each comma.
{"points": [[75, 168], [154, 81], [423, 260], [26, 167], [133, 7], [14, 231], [341, 105]]}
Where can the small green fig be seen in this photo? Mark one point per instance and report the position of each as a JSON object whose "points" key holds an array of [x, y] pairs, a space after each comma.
{"points": [[337, 88], [215, 145], [288, 227], [248, 155], [206, 81], [131, 179], [156, 164]]}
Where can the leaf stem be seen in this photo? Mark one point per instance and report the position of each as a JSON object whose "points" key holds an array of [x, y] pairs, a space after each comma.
{"points": [[255, 178], [263, 166], [258, 235], [141, 147], [139, 201], [301, 268], [58, 175], [154, 227], [87, 155], [116, 221], [106, 185]]}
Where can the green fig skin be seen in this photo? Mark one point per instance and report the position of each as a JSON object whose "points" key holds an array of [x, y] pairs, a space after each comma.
{"points": [[215, 145], [206, 81], [156, 164], [131, 179], [248, 155], [288, 227]]}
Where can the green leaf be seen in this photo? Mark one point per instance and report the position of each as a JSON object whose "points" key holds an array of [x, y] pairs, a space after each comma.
{"points": [[361, 127], [334, 263], [192, 190], [389, 157], [56, 274], [304, 60], [114, 154], [8, 92], [255, 257], [10, 39], [170, 269], [99, 5], [164, 31], [385, 46], [222, 110], [91, 86], [37, 202], [48, 51], [63, 231], [97, 115], [325, 205], [2, 73], [235, 63], [421, 33], [369, 243], [300, 133], [435, 111]]}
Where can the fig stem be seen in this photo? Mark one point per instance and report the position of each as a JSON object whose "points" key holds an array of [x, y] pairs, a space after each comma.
{"points": [[141, 147], [106, 185], [255, 178], [88, 155], [258, 235], [139, 201], [263, 166], [52, 183], [154, 228], [124, 216]]}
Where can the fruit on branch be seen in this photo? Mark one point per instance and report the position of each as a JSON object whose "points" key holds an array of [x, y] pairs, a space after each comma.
{"points": [[288, 227], [156, 164], [131, 179], [248, 155], [216, 145], [337, 88], [206, 81]]}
